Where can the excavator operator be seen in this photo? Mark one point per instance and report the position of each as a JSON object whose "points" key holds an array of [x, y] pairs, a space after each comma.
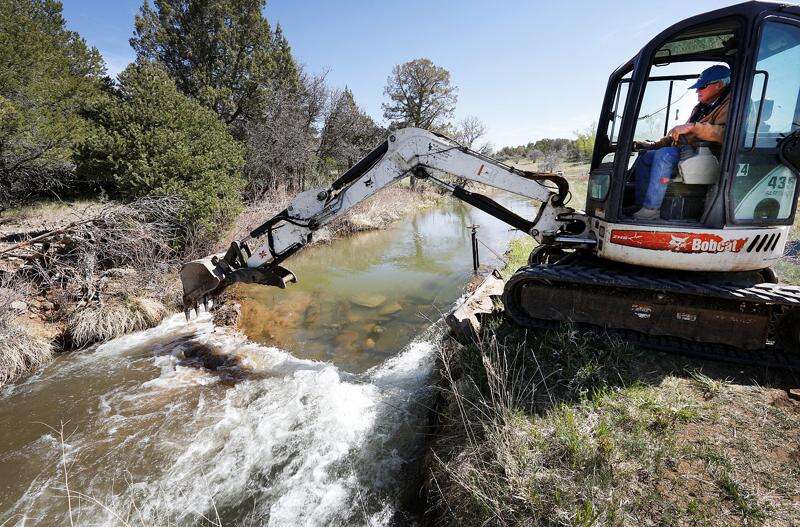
{"points": [[657, 160]]}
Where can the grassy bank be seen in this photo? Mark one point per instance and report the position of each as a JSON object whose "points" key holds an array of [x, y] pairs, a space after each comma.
{"points": [[561, 428]]}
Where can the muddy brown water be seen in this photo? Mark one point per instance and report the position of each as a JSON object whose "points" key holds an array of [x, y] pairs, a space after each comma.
{"points": [[313, 420]]}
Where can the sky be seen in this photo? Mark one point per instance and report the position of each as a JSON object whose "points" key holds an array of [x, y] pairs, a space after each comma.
{"points": [[527, 69]]}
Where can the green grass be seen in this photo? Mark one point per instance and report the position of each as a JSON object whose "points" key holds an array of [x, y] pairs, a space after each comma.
{"points": [[788, 272], [517, 255], [560, 427]]}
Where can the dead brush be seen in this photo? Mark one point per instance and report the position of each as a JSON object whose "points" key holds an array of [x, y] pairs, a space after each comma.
{"points": [[110, 274], [21, 351]]}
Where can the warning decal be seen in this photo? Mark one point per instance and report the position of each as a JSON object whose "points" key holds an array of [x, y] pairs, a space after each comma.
{"points": [[678, 242]]}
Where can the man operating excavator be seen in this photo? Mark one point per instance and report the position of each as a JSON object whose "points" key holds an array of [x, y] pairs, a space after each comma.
{"points": [[657, 160]]}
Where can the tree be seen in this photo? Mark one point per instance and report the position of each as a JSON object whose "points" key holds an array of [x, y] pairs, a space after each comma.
{"points": [[348, 133], [150, 139], [420, 95], [584, 142], [221, 52], [282, 138], [47, 76], [468, 131]]}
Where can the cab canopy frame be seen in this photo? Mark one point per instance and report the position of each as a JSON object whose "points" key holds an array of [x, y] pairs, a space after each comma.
{"points": [[731, 36]]}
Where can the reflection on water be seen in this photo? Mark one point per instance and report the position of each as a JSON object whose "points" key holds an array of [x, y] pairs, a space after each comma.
{"points": [[359, 302], [183, 422]]}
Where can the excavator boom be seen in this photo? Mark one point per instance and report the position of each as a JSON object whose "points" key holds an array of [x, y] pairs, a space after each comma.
{"points": [[410, 151]]}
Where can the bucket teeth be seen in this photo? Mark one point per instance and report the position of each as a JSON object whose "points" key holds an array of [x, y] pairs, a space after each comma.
{"points": [[196, 310], [205, 303], [188, 315]]}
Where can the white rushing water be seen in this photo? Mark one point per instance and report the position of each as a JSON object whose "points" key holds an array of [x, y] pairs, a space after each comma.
{"points": [[201, 424]]}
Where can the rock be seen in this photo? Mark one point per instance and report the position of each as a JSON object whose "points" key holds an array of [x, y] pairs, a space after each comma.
{"points": [[378, 329], [353, 317], [463, 321], [369, 344], [346, 339], [311, 314], [47, 306], [391, 309], [19, 305], [794, 393], [368, 300]]}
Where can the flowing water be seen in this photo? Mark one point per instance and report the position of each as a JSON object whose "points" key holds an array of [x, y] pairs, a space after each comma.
{"points": [[316, 419]]}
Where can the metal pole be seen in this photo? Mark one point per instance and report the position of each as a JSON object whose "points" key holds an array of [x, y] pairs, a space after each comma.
{"points": [[475, 261]]}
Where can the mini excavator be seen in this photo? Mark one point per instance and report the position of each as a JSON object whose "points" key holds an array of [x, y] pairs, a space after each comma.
{"points": [[697, 280]]}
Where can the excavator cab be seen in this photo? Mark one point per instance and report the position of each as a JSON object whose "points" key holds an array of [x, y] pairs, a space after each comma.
{"points": [[728, 206]]}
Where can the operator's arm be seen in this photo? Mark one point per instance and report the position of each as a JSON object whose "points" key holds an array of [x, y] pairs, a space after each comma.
{"points": [[407, 151], [714, 133]]}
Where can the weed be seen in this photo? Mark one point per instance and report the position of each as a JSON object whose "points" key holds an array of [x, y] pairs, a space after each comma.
{"points": [[710, 387], [746, 503]]}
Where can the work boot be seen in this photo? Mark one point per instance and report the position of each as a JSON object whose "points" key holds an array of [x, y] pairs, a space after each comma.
{"points": [[647, 214]]}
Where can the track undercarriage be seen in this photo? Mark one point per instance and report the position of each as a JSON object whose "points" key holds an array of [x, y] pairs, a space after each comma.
{"points": [[738, 317]]}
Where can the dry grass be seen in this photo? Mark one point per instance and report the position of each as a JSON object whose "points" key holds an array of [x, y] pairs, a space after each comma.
{"points": [[21, 350], [99, 323], [560, 428]]}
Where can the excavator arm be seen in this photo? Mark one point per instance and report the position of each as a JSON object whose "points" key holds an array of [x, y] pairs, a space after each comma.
{"points": [[407, 152]]}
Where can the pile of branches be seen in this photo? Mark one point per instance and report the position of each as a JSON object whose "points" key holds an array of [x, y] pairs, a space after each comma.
{"points": [[143, 238]]}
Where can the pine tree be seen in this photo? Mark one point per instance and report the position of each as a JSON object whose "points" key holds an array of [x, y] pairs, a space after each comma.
{"points": [[285, 73], [420, 95], [219, 52], [150, 139], [47, 77], [348, 133]]}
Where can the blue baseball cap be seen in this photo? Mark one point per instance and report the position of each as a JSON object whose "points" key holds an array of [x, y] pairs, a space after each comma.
{"points": [[711, 75]]}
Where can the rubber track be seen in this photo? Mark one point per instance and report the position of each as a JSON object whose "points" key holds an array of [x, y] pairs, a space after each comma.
{"points": [[646, 280]]}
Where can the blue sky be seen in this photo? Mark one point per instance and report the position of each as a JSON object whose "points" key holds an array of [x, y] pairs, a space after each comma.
{"points": [[527, 69]]}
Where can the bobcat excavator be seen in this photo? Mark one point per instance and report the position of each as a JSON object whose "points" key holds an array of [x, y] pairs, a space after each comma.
{"points": [[698, 280]]}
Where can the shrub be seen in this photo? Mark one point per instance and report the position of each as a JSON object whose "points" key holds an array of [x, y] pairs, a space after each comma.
{"points": [[150, 139]]}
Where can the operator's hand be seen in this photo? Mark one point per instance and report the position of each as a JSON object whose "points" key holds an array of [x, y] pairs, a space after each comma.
{"points": [[680, 130], [642, 145]]}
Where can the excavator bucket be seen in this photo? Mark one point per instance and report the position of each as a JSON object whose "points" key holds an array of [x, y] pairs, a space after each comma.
{"points": [[201, 279], [206, 278]]}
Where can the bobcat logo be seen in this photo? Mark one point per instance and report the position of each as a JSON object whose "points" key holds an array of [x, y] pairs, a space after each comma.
{"points": [[678, 243]]}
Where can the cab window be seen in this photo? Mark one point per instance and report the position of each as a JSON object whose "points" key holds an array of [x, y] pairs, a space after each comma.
{"points": [[763, 189]]}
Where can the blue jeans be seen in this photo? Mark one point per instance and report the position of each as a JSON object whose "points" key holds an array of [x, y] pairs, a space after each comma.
{"points": [[653, 170]]}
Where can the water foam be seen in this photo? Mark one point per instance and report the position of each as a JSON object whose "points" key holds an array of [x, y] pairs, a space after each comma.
{"points": [[274, 439]]}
